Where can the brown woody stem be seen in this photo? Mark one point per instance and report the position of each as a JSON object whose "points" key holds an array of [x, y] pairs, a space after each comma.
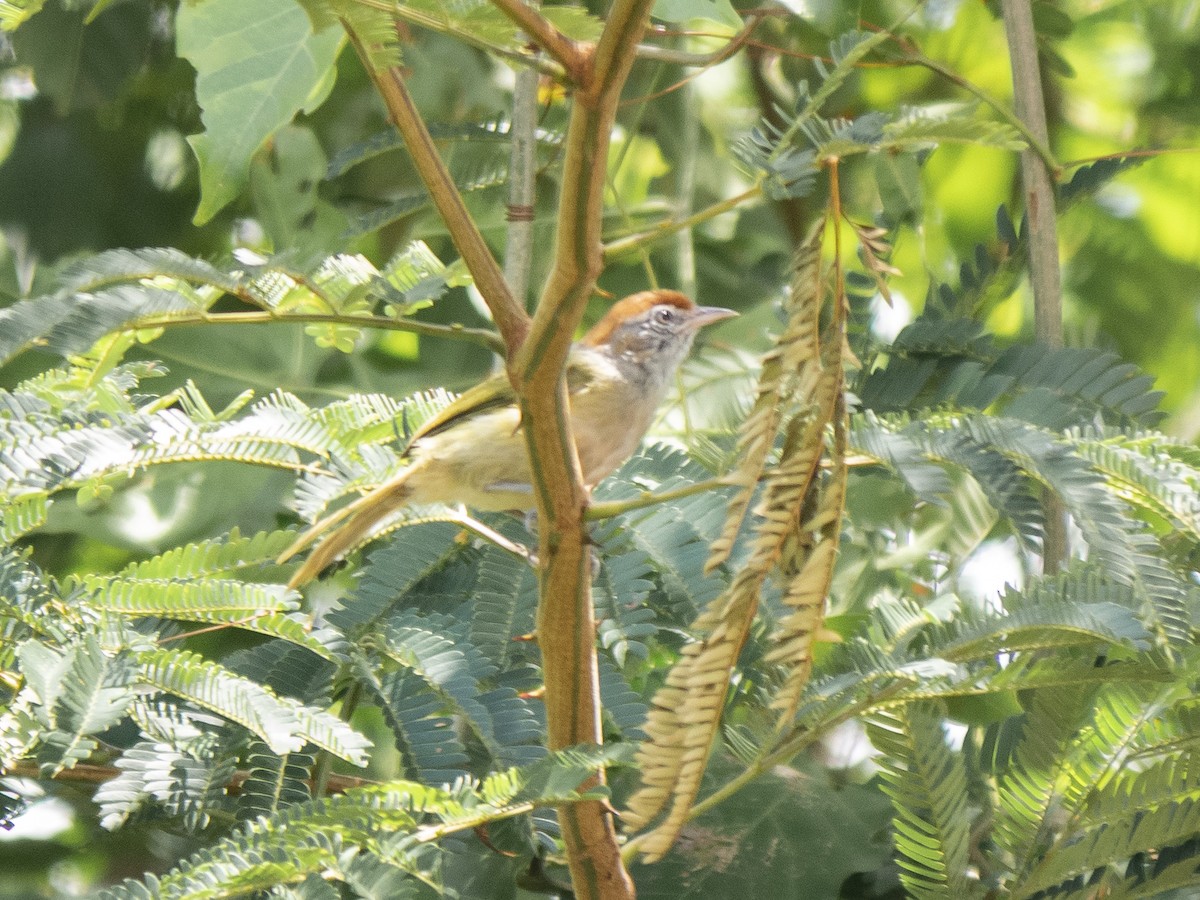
{"points": [[510, 317], [572, 56], [537, 353], [566, 618]]}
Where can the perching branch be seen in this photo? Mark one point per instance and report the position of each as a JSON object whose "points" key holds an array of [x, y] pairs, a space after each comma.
{"points": [[566, 615]]}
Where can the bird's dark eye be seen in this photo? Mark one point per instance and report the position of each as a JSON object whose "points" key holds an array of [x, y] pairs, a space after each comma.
{"points": [[664, 315]]}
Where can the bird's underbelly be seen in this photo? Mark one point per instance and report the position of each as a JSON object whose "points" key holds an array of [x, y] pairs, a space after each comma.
{"points": [[608, 428], [480, 462]]}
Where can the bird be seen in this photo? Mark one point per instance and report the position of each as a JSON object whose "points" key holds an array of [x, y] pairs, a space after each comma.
{"points": [[473, 453]]}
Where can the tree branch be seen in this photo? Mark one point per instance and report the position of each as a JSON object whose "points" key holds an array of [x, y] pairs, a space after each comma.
{"points": [[705, 60], [571, 55], [509, 315], [566, 616], [668, 227], [1038, 188]]}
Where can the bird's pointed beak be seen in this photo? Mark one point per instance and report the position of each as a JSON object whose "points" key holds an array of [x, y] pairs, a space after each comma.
{"points": [[707, 315]]}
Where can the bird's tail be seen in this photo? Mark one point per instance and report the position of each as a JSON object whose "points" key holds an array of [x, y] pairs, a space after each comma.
{"points": [[356, 520]]}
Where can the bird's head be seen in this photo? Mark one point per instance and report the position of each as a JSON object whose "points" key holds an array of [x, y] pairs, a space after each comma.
{"points": [[653, 330]]}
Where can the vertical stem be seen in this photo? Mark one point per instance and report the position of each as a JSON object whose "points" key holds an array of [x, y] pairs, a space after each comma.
{"points": [[566, 625], [518, 254], [1038, 190], [537, 356], [793, 210], [685, 250], [325, 758]]}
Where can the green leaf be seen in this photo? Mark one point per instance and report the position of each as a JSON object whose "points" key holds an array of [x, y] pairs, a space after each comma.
{"points": [[898, 177], [283, 184], [919, 126], [274, 782], [76, 64], [257, 63], [424, 737], [14, 12], [285, 725], [927, 783], [1050, 21], [92, 693], [678, 11], [1031, 783], [181, 784]]}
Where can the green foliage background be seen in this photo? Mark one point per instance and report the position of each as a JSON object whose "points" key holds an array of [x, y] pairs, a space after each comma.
{"points": [[140, 124]]}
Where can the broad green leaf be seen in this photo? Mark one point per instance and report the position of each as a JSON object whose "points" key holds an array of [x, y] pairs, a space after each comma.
{"points": [[283, 185], [76, 64], [719, 11], [898, 177], [257, 63]]}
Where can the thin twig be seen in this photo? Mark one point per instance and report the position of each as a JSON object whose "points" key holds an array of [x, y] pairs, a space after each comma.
{"points": [[90, 773], [490, 534], [1127, 154], [783, 750], [685, 192], [481, 336], [649, 498], [410, 14], [220, 626], [322, 777], [704, 60], [1036, 143], [634, 242]]}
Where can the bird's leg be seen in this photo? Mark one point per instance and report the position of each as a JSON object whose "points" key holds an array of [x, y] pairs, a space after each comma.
{"points": [[461, 517]]}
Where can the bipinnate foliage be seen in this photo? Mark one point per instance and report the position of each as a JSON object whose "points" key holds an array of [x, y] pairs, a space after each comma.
{"points": [[382, 836], [426, 634], [757, 588], [787, 158]]}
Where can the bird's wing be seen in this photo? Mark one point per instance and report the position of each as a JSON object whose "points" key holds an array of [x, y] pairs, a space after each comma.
{"points": [[492, 393], [489, 394]]}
